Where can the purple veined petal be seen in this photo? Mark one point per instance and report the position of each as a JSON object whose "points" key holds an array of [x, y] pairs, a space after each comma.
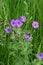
{"points": [[13, 23], [19, 23], [28, 38], [23, 18], [8, 30], [35, 24]]}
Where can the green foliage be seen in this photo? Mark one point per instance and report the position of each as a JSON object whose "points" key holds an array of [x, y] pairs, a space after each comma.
{"points": [[14, 49]]}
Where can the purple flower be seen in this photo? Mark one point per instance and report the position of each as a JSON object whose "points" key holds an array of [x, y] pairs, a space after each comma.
{"points": [[40, 56], [35, 24], [13, 22], [7, 29], [23, 18], [27, 33], [19, 23], [28, 38]]}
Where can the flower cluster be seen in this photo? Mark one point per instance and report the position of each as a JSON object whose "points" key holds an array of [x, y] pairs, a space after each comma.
{"points": [[18, 22]]}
